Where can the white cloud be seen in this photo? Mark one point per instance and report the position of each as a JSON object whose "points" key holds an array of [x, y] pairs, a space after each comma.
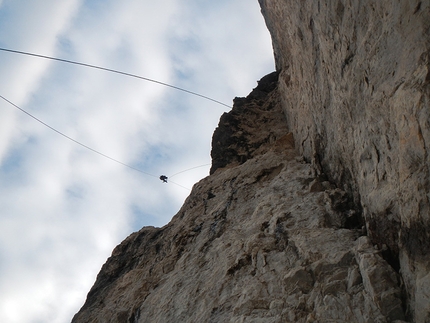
{"points": [[29, 25], [62, 207]]}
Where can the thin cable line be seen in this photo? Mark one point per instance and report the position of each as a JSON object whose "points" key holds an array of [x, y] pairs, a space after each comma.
{"points": [[87, 147], [114, 71], [179, 185], [75, 141], [186, 170]]}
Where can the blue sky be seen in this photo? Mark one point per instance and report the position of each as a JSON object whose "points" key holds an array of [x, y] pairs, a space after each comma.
{"points": [[63, 208]]}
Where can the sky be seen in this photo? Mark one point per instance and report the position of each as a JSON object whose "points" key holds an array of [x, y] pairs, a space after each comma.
{"points": [[63, 208]]}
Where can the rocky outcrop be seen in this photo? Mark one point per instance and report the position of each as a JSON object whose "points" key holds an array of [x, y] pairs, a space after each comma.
{"points": [[265, 238], [317, 206], [354, 83], [236, 140]]}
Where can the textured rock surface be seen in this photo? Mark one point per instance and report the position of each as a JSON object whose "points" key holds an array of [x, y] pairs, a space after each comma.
{"points": [[355, 88], [263, 239], [317, 206], [236, 139]]}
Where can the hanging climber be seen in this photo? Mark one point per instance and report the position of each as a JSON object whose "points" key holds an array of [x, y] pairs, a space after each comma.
{"points": [[163, 178]]}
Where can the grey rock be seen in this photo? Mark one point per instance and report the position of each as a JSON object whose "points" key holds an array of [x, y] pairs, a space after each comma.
{"points": [[256, 249], [317, 206], [355, 87]]}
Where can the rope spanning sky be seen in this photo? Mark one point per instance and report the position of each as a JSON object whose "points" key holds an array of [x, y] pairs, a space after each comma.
{"points": [[114, 71], [78, 193], [96, 151], [75, 141]]}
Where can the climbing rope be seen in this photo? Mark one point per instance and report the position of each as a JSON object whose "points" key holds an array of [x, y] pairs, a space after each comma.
{"points": [[167, 179], [186, 170], [113, 71], [162, 177]]}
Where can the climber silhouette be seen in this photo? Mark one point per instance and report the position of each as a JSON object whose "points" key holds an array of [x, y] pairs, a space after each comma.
{"points": [[163, 178]]}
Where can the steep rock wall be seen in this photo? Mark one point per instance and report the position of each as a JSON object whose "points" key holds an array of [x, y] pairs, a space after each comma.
{"points": [[264, 239], [354, 83], [326, 223]]}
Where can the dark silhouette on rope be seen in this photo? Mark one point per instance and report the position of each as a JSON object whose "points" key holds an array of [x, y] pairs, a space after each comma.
{"points": [[71, 139], [113, 71], [85, 146]]}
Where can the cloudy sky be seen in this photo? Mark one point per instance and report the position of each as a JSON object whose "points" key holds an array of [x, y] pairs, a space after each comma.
{"points": [[63, 208]]}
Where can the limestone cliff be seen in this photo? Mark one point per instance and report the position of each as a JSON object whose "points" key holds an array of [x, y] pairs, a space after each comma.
{"points": [[317, 206], [355, 87]]}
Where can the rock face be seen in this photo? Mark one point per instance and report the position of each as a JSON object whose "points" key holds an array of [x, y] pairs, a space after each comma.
{"points": [[354, 84], [265, 238], [317, 206], [236, 139]]}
